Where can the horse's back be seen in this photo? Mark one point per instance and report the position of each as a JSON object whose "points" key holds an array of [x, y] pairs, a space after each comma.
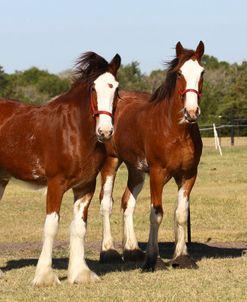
{"points": [[134, 95], [130, 102], [8, 108]]}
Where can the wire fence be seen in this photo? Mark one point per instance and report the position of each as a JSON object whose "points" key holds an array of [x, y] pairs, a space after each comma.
{"points": [[227, 130], [231, 128], [208, 128]]}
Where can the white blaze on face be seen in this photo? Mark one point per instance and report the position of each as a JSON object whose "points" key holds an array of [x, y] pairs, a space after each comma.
{"points": [[105, 87], [191, 70]]}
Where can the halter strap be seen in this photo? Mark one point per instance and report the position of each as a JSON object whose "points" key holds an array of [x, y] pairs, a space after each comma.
{"points": [[97, 112], [190, 90]]}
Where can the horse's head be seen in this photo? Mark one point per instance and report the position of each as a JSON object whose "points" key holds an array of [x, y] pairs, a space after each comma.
{"points": [[103, 98], [190, 81]]}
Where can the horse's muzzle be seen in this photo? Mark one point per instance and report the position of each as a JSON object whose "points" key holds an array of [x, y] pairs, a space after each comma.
{"points": [[104, 135], [191, 116]]}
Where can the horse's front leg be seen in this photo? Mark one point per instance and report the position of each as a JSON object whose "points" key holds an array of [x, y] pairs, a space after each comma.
{"points": [[181, 258], [44, 275], [158, 178], [108, 252], [131, 250], [78, 271]]}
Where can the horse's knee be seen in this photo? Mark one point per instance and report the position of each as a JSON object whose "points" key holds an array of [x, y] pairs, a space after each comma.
{"points": [[156, 215]]}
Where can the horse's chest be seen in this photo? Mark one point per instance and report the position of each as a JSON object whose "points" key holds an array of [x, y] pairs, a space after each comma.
{"points": [[187, 157], [89, 165]]}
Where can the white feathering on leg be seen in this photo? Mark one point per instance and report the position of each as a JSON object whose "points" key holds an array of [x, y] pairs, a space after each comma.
{"points": [[78, 270], [44, 275]]}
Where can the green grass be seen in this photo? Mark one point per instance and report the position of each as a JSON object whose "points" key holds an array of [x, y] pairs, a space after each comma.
{"points": [[218, 214]]}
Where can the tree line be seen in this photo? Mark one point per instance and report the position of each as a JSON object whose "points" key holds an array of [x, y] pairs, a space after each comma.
{"points": [[224, 93]]}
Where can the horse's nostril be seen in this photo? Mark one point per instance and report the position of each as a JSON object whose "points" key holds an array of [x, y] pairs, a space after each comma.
{"points": [[100, 132]]}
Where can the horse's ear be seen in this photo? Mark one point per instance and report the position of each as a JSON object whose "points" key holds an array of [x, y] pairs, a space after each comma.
{"points": [[179, 49], [200, 50], [115, 64]]}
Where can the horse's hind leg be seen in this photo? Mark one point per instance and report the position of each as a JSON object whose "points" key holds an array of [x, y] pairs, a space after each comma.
{"points": [[181, 258], [108, 252], [78, 271], [44, 275], [131, 250]]}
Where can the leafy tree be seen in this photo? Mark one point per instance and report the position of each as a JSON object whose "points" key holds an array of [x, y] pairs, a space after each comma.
{"points": [[131, 78], [52, 85], [34, 85]]}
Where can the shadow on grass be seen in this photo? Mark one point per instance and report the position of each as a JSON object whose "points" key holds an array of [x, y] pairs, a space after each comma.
{"points": [[203, 250], [62, 264], [196, 250]]}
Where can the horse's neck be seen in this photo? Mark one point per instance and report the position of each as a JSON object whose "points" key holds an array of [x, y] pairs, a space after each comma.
{"points": [[79, 101], [169, 114]]}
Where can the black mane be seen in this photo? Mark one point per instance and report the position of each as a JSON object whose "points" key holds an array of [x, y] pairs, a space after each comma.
{"points": [[88, 67], [166, 90]]}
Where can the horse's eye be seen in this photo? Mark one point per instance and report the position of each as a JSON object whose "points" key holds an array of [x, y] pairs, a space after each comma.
{"points": [[179, 74]]}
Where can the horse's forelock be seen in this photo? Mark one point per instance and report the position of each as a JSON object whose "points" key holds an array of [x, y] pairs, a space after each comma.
{"points": [[88, 67]]}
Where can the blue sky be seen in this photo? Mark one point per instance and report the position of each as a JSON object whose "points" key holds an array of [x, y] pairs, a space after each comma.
{"points": [[51, 34]]}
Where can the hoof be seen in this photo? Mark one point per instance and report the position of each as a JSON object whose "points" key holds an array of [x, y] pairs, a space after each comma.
{"points": [[1, 274], [154, 264], [133, 255], [160, 265], [184, 261], [48, 278], [110, 256], [85, 276]]}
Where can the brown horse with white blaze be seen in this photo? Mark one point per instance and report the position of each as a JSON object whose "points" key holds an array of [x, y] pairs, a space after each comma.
{"points": [[157, 135], [59, 145]]}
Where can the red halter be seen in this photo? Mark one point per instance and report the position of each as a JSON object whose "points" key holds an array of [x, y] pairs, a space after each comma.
{"points": [[97, 112], [190, 90]]}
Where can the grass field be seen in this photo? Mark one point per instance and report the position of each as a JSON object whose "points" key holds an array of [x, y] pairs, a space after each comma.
{"points": [[219, 235]]}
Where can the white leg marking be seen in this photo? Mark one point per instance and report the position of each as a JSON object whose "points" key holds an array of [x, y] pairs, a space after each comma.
{"points": [[129, 238], [181, 217], [78, 270], [155, 221], [105, 211], [44, 276]]}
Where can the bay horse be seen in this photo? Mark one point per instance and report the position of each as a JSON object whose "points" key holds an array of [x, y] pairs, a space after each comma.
{"points": [[158, 135], [59, 145]]}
